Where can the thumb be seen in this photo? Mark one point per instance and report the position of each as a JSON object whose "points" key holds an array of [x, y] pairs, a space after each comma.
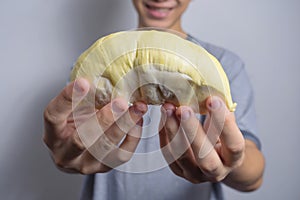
{"points": [[216, 106], [61, 106], [215, 120]]}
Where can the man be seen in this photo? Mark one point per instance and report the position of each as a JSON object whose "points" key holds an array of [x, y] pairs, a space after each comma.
{"points": [[235, 159]]}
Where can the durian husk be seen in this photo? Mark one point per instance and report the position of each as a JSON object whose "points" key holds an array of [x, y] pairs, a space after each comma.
{"points": [[154, 67]]}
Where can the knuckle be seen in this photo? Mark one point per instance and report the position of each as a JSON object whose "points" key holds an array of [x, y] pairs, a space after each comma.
{"points": [[84, 170], [46, 141], [124, 156], [92, 168], [60, 163], [104, 120], [102, 169], [235, 162], [127, 122], [230, 119], [117, 131], [183, 160], [115, 135], [210, 167], [86, 167], [178, 173], [170, 129], [105, 143], [218, 123], [236, 149], [194, 181], [52, 144], [66, 97], [219, 178], [64, 164], [190, 178], [191, 134], [77, 143], [50, 117], [49, 143]]}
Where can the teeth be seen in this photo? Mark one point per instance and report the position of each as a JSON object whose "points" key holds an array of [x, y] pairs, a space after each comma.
{"points": [[159, 9]]}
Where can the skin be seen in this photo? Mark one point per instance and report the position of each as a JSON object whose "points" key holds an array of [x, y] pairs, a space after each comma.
{"points": [[171, 21], [233, 160], [61, 136]]}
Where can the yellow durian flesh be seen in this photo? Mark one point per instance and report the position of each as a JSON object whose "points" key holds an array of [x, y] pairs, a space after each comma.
{"points": [[154, 67]]}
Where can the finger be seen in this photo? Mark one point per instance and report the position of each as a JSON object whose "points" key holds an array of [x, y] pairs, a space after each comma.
{"points": [[166, 151], [126, 122], [168, 109], [206, 122], [169, 122], [207, 158], [58, 110], [92, 129], [85, 163], [191, 126], [111, 112], [88, 131], [89, 164], [107, 142], [165, 147], [132, 138], [190, 168], [185, 159], [168, 127], [172, 136], [212, 132], [127, 148], [178, 151], [232, 140]]}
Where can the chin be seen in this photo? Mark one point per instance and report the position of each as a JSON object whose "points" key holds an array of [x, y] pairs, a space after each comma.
{"points": [[157, 24]]}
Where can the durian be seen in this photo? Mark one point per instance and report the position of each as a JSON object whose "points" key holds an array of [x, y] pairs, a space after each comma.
{"points": [[153, 66]]}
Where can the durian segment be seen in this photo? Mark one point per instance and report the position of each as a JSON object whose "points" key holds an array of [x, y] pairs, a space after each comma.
{"points": [[152, 66]]}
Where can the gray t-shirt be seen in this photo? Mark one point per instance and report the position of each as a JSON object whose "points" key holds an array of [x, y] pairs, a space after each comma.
{"points": [[163, 184]]}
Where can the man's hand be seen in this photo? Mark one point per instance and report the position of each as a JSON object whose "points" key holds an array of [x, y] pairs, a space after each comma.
{"points": [[121, 125], [210, 152]]}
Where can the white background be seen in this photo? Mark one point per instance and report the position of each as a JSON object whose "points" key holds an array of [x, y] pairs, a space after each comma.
{"points": [[40, 40]]}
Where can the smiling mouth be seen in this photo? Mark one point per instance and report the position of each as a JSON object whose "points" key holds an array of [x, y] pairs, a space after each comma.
{"points": [[158, 12], [157, 8]]}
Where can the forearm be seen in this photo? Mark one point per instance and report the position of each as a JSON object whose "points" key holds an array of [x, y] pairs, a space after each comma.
{"points": [[248, 176]]}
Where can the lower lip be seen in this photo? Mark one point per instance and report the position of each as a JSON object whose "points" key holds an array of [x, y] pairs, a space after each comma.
{"points": [[157, 14]]}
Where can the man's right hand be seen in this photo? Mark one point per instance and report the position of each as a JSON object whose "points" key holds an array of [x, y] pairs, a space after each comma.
{"points": [[121, 125]]}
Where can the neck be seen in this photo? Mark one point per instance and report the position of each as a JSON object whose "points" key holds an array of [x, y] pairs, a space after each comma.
{"points": [[175, 27], [178, 28]]}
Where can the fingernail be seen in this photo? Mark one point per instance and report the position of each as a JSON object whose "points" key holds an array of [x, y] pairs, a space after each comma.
{"points": [[168, 109], [215, 104], [78, 88], [169, 112], [139, 109], [185, 114], [117, 107]]}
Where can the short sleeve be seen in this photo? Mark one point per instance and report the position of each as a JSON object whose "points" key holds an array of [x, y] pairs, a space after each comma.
{"points": [[241, 89], [242, 94]]}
